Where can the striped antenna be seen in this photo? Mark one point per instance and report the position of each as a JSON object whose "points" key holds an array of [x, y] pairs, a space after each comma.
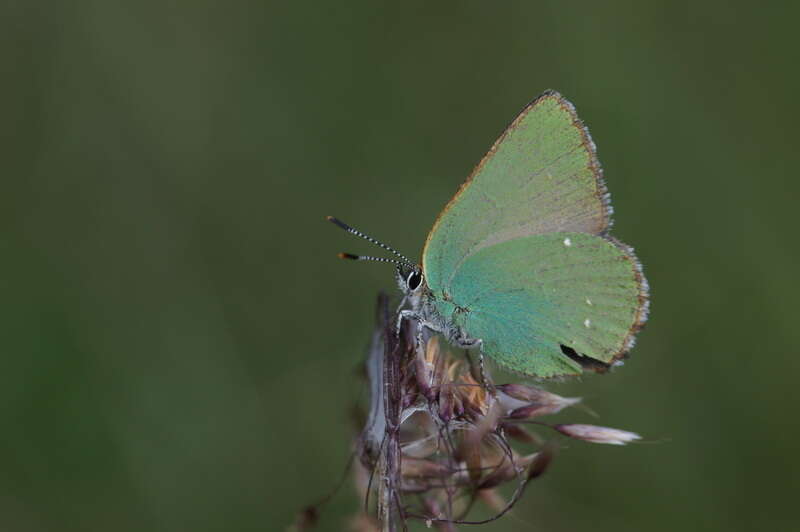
{"points": [[350, 256], [358, 233]]}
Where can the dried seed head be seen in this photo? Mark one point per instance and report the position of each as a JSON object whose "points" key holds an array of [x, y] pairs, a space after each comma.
{"points": [[519, 433], [446, 403], [541, 461], [527, 412], [522, 392], [526, 401], [472, 394], [595, 434]]}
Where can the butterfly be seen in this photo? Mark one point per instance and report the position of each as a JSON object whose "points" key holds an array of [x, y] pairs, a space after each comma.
{"points": [[520, 263]]}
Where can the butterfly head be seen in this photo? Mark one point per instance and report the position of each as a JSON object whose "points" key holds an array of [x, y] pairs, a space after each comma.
{"points": [[409, 279]]}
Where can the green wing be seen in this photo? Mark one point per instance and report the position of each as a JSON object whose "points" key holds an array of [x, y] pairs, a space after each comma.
{"points": [[541, 178], [549, 305]]}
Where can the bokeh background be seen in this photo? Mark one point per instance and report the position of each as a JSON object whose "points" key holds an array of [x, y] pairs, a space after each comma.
{"points": [[180, 344]]}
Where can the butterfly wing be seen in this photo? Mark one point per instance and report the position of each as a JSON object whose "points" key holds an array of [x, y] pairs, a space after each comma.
{"points": [[541, 177], [553, 304]]}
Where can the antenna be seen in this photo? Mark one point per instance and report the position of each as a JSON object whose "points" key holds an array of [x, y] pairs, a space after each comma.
{"points": [[342, 225], [350, 256]]}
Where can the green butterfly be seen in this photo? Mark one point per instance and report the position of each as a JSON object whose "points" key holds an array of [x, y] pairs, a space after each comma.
{"points": [[520, 264]]}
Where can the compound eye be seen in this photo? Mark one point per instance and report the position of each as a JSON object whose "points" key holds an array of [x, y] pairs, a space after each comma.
{"points": [[414, 280]]}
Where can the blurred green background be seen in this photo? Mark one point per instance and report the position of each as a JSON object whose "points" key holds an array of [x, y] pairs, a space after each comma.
{"points": [[179, 341]]}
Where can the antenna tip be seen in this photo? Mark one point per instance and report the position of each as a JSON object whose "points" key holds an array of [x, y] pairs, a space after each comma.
{"points": [[349, 256], [339, 223]]}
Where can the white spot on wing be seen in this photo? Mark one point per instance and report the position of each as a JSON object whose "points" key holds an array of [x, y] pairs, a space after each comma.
{"points": [[587, 322], [588, 301], [567, 242]]}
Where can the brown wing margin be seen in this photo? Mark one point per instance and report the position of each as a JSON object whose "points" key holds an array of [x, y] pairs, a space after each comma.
{"points": [[643, 309]]}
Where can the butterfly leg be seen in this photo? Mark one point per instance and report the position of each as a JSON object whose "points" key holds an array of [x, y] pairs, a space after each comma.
{"points": [[421, 322], [406, 315], [419, 318], [411, 315], [460, 339], [486, 382]]}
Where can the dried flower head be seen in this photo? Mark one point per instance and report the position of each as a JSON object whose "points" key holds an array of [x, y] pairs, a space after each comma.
{"points": [[440, 436]]}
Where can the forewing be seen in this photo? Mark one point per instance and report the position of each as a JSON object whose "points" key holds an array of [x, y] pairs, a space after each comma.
{"points": [[554, 304], [541, 176]]}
